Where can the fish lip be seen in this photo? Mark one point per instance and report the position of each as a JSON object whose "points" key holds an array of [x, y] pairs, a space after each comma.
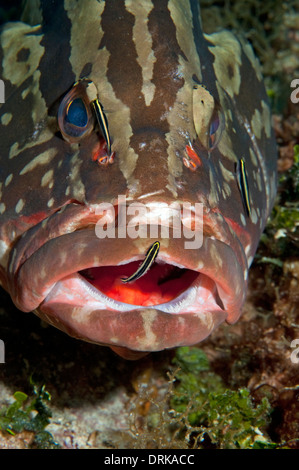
{"points": [[70, 217], [30, 290], [138, 329], [36, 273]]}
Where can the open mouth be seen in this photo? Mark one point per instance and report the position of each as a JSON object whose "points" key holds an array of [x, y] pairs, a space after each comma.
{"points": [[161, 284], [167, 307], [166, 287], [74, 281]]}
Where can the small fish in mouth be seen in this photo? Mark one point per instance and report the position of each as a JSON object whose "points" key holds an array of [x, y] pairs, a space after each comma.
{"points": [[150, 257], [163, 283], [145, 106]]}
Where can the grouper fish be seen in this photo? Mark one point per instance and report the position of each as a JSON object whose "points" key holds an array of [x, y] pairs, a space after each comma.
{"points": [[133, 147]]}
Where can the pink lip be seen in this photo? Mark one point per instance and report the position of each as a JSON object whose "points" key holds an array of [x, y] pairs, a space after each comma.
{"points": [[45, 279], [51, 285], [139, 329]]}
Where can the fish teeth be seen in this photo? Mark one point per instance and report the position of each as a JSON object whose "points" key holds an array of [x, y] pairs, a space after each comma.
{"points": [[174, 306], [186, 299], [108, 301]]}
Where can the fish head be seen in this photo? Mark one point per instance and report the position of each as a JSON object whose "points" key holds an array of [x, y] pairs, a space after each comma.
{"points": [[84, 194]]}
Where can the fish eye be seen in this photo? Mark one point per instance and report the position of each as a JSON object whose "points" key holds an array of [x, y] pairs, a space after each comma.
{"points": [[215, 129], [76, 113], [75, 118], [207, 117]]}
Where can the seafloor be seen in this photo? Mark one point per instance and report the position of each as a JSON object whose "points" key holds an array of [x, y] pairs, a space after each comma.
{"points": [[101, 401]]}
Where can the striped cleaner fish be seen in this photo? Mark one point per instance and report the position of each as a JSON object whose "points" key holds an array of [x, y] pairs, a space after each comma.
{"points": [[116, 107]]}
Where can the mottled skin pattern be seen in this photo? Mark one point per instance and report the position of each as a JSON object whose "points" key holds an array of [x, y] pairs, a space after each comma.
{"points": [[160, 81]]}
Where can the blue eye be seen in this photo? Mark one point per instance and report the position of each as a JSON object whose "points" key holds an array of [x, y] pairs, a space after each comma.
{"points": [[75, 117], [208, 117], [215, 130], [76, 113], [214, 126]]}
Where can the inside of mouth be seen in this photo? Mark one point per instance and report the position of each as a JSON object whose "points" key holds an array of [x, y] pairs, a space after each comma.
{"points": [[162, 282]]}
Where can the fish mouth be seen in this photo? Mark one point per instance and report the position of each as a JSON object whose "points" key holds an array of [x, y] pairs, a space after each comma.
{"points": [[165, 285], [73, 281]]}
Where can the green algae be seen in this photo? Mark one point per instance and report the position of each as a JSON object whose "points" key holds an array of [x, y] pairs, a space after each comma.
{"points": [[291, 179], [29, 413], [281, 237], [213, 415], [198, 411]]}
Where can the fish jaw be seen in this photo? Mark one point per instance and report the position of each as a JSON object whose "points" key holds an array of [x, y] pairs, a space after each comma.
{"points": [[73, 309], [55, 289]]}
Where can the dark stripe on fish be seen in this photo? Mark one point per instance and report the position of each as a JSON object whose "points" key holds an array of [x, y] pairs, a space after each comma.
{"points": [[56, 29], [122, 63], [206, 58]]}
